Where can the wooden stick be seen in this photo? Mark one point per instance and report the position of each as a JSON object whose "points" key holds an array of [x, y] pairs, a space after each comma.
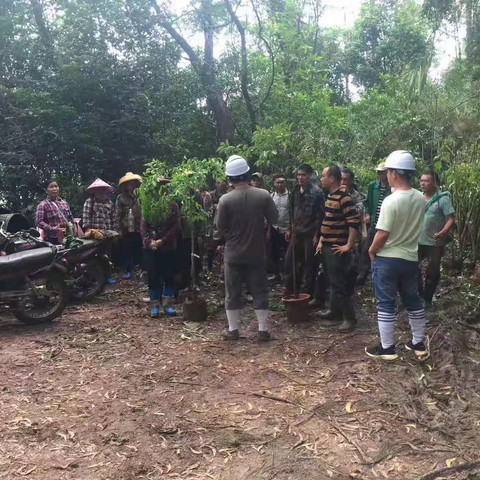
{"points": [[458, 468]]}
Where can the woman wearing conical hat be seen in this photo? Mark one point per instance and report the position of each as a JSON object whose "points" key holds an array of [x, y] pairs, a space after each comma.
{"points": [[98, 210], [129, 218]]}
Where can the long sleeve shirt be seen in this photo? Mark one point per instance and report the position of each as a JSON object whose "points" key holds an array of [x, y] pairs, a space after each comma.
{"points": [[99, 215], [124, 204], [51, 215], [340, 216], [167, 230], [308, 210]]}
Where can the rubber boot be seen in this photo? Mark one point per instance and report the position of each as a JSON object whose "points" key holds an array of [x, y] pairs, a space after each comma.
{"points": [[349, 318], [333, 315]]}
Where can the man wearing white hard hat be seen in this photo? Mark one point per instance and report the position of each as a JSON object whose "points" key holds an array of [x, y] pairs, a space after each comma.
{"points": [[240, 224], [394, 255]]}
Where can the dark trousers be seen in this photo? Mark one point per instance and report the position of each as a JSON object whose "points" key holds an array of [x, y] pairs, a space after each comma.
{"points": [[434, 255], [341, 271], [365, 262], [306, 263], [160, 266], [278, 250], [131, 250]]}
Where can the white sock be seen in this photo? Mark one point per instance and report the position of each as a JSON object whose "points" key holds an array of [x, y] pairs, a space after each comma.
{"points": [[386, 322], [417, 324], [262, 317], [233, 317]]}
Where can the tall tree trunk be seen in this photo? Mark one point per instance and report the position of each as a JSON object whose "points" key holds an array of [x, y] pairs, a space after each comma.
{"points": [[205, 69], [244, 68], [42, 26], [468, 25]]}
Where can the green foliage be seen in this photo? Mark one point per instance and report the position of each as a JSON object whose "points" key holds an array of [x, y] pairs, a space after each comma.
{"points": [[464, 183], [153, 196]]}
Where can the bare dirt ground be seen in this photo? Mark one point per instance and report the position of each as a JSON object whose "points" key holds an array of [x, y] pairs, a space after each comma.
{"points": [[106, 392]]}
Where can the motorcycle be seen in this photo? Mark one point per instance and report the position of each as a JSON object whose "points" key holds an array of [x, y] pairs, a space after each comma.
{"points": [[31, 283], [86, 265], [87, 268]]}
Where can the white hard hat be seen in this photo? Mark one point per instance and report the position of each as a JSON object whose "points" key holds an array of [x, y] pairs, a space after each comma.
{"points": [[235, 166], [401, 160]]}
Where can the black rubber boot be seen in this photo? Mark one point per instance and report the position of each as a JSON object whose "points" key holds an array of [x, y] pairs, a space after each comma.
{"points": [[349, 318], [333, 316]]}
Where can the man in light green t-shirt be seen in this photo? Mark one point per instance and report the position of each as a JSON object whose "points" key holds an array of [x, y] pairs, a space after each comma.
{"points": [[439, 220], [394, 255]]}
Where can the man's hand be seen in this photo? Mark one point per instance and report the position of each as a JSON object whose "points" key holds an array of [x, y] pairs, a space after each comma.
{"points": [[440, 235], [366, 218], [288, 236], [340, 250], [371, 254], [319, 246]]}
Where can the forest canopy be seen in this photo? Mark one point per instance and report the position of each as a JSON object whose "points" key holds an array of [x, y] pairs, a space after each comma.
{"points": [[94, 88]]}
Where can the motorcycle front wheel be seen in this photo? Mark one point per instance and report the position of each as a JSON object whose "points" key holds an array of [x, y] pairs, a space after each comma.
{"points": [[49, 305]]}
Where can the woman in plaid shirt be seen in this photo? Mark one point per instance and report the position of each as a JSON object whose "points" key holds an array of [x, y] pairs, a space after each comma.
{"points": [[98, 210], [53, 214]]}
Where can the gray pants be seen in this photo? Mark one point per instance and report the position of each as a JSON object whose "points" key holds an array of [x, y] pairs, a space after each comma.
{"points": [[255, 276]]}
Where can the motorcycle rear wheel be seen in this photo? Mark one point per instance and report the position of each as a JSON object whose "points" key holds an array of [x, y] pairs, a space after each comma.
{"points": [[35, 310], [98, 279]]}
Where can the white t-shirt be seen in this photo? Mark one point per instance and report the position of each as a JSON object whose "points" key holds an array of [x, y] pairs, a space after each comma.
{"points": [[402, 215]]}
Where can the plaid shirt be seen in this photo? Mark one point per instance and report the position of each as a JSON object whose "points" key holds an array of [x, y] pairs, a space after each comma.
{"points": [[308, 210], [166, 230], [48, 216], [99, 215]]}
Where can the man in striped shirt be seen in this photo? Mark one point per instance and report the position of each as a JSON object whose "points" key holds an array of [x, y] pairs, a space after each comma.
{"points": [[338, 233]]}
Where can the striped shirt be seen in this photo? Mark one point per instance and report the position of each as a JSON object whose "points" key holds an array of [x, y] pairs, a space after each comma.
{"points": [[340, 215], [381, 197]]}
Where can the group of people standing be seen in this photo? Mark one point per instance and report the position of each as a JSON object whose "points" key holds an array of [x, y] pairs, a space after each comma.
{"points": [[320, 226], [319, 237]]}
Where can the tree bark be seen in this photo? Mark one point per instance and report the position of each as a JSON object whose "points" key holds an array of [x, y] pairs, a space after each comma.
{"points": [[205, 69], [42, 25], [244, 68]]}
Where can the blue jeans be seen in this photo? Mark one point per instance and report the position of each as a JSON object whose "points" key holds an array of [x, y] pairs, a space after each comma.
{"points": [[392, 276]]}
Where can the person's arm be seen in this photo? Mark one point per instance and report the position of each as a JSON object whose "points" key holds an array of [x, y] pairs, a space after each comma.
{"points": [[40, 220], [379, 241], [87, 214], [385, 224], [353, 220], [271, 211], [446, 229], [146, 239], [368, 203], [220, 222], [319, 214], [449, 212]]}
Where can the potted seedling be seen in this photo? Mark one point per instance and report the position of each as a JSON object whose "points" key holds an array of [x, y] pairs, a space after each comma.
{"points": [[188, 179]]}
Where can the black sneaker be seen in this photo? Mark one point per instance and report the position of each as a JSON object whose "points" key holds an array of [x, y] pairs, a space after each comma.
{"points": [[419, 348], [264, 336], [230, 335], [383, 353]]}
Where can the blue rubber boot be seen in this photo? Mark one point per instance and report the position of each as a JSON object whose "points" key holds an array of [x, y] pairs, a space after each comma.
{"points": [[127, 276], [155, 311], [111, 281]]}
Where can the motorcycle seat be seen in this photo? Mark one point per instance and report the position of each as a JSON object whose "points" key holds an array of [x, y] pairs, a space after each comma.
{"points": [[29, 260]]}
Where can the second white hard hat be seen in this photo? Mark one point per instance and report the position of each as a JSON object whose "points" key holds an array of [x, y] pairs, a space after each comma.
{"points": [[401, 160], [235, 166]]}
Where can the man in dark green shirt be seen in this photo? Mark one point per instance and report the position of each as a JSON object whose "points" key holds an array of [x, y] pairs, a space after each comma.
{"points": [[378, 191]]}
